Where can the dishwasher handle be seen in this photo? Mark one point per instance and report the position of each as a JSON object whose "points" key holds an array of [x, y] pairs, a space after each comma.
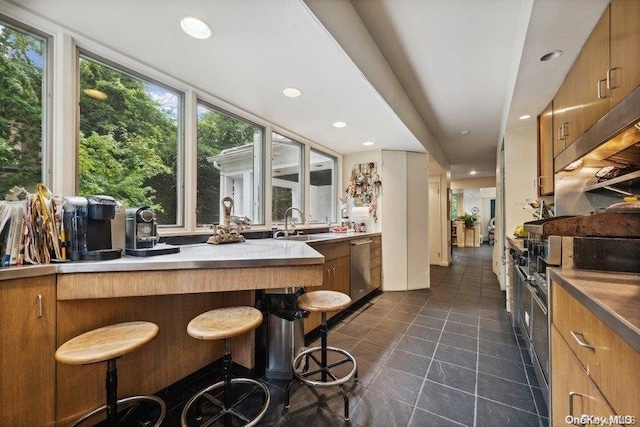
{"points": [[361, 242]]}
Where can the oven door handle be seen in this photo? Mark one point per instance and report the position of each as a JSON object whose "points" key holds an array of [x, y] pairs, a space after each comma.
{"points": [[537, 299]]}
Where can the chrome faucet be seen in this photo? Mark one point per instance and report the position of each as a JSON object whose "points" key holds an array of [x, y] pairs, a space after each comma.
{"points": [[286, 220]]}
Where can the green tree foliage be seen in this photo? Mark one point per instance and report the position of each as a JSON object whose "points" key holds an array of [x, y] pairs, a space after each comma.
{"points": [[131, 153], [21, 58]]}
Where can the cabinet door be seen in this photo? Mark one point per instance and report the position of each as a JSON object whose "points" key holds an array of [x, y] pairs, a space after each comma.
{"points": [[315, 318], [572, 391], [625, 48], [592, 66], [27, 343], [566, 107], [545, 152]]}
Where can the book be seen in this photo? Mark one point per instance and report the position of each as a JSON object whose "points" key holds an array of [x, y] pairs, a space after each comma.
{"points": [[18, 234], [7, 241]]}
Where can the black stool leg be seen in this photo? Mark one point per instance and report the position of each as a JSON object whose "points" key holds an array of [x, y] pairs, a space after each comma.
{"points": [[228, 396], [112, 393], [323, 345]]}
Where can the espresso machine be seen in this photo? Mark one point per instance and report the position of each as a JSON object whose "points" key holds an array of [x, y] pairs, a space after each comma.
{"points": [[88, 224], [142, 234]]}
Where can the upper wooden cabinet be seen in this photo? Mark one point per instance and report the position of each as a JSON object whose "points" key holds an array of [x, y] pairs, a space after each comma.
{"points": [[606, 70], [625, 48], [545, 152]]}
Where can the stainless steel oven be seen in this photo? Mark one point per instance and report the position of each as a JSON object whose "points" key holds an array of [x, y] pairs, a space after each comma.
{"points": [[539, 334], [525, 301]]}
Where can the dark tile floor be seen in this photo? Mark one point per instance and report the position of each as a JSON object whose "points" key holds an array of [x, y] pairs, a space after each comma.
{"points": [[445, 356]]}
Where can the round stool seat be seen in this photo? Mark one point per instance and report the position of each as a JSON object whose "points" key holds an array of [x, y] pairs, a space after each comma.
{"points": [[223, 323], [324, 301], [109, 342]]}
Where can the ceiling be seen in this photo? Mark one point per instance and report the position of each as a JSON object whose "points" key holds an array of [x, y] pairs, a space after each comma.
{"points": [[405, 74]]}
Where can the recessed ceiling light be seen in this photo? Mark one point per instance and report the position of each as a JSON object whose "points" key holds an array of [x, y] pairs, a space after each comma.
{"points": [[292, 92], [473, 172], [339, 124], [465, 132], [195, 27], [368, 143], [551, 55], [525, 117]]}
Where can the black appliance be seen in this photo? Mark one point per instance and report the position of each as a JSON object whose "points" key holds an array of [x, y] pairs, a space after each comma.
{"points": [[142, 234], [87, 224]]}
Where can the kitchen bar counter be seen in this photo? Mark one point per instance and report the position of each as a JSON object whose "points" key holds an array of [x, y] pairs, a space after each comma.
{"points": [[252, 253], [613, 298]]}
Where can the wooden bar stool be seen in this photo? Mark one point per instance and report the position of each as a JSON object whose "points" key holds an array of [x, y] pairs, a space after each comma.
{"points": [[224, 324], [323, 302], [107, 345]]}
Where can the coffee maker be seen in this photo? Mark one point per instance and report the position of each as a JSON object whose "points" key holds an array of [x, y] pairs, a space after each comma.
{"points": [[142, 234], [88, 226]]}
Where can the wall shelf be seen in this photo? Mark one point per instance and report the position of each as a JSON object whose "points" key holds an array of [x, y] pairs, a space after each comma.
{"points": [[625, 185]]}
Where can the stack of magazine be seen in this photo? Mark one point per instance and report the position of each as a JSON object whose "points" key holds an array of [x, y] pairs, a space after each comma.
{"points": [[31, 228]]}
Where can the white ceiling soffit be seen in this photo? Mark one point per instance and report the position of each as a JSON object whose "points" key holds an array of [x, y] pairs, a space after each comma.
{"points": [[465, 65], [258, 48]]}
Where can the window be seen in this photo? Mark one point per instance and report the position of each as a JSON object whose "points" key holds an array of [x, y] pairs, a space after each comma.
{"points": [[129, 139], [230, 163], [322, 196], [287, 186], [22, 83]]}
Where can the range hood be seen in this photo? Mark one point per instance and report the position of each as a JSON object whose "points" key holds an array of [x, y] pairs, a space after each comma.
{"points": [[614, 139]]}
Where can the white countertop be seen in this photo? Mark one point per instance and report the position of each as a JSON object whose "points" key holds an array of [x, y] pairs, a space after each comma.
{"points": [[251, 253]]}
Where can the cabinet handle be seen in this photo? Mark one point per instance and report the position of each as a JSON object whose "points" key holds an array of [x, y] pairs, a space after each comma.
{"points": [[571, 395], [565, 134], [581, 342], [560, 138], [39, 305], [540, 181], [599, 84], [609, 85], [334, 271]]}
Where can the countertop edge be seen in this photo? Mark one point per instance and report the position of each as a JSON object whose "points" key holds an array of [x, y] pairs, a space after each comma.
{"points": [[618, 324]]}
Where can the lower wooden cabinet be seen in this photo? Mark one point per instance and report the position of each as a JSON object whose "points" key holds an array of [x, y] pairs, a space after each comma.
{"points": [[573, 394], [337, 276], [591, 361], [27, 345]]}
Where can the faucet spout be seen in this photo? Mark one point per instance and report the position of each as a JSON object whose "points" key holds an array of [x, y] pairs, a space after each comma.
{"points": [[287, 213]]}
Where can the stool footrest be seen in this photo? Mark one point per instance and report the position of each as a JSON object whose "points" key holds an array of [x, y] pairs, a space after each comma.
{"points": [[230, 411], [126, 400], [303, 375]]}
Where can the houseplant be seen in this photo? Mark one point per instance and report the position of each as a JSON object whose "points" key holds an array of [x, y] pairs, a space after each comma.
{"points": [[470, 219]]}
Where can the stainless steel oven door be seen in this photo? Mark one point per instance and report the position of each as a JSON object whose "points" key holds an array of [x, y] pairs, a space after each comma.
{"points": [[540, 342], [525, 311]]}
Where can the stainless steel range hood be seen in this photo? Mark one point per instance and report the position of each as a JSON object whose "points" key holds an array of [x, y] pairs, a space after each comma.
{"points": [[614, 132]]}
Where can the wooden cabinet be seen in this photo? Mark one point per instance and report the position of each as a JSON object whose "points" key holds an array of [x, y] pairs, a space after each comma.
{"points": [[606, 70], [574, 393], [610, 363], [625, 48], [545, 152], [457, 234], [376, 262], [337, 275], [27, 343]]}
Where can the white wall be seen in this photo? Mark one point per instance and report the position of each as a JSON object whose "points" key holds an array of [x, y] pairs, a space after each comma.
{"points": [[520, 171], [405, 209]]}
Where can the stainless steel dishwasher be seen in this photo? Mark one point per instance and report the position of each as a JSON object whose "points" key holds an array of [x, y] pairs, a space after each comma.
{"points": [[360, 268]]}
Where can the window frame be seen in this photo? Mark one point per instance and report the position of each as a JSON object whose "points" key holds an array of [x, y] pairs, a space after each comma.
{"points": [[334, 179], [180, 125], [303, 177], [263, 161], [46, 145], [62, 119]]}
